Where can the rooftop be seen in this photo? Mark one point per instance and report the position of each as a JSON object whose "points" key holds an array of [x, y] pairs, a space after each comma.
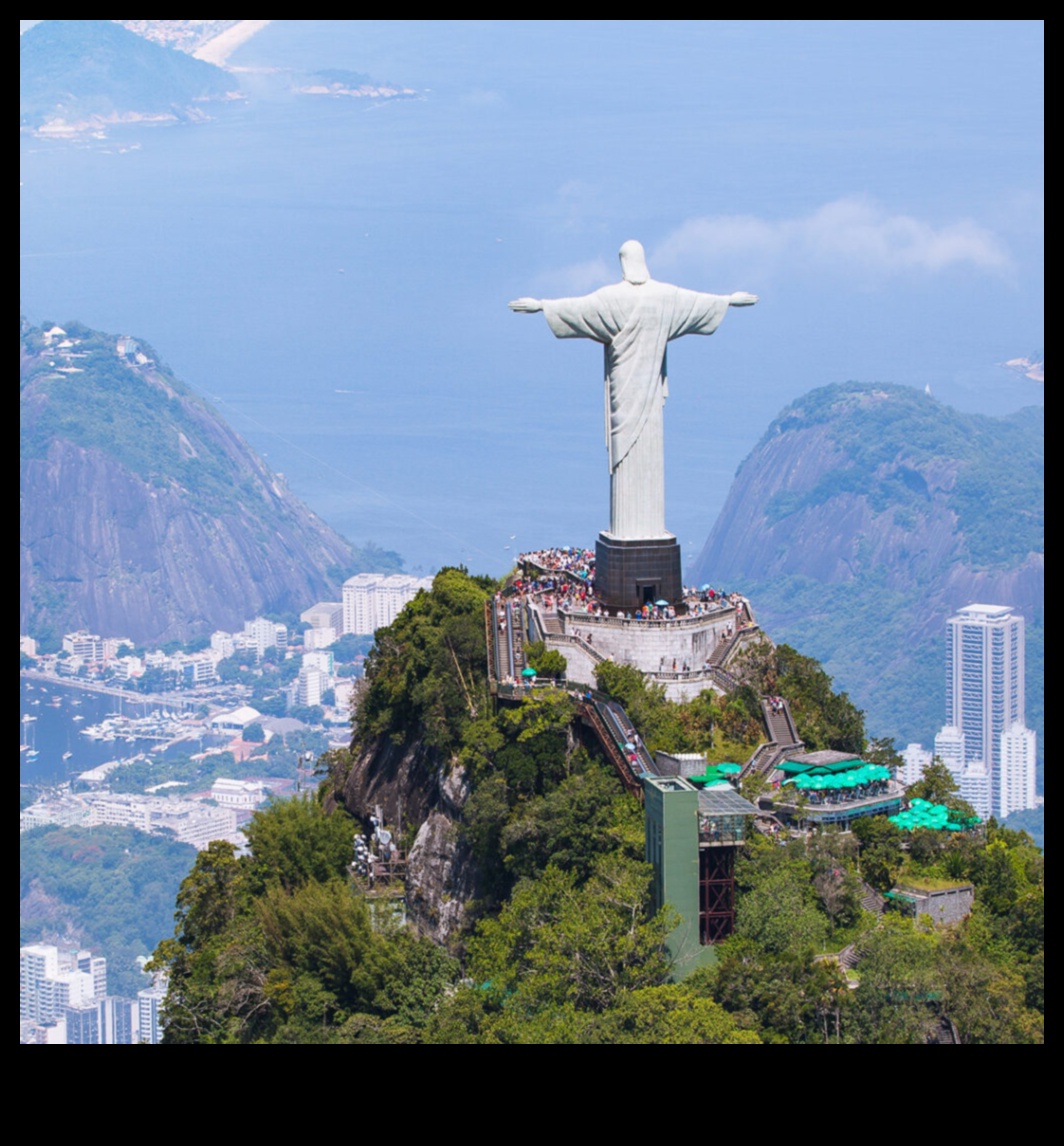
{"points": [[984, 612], [824, 757], [723, 800]]}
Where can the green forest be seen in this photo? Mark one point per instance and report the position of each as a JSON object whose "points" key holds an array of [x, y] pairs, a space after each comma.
{"points": [[109, 889], [907, 457], [560, 943]]}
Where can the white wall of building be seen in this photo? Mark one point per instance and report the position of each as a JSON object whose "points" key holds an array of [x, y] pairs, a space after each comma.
{"points": [[915, 758], [1015, 790]]}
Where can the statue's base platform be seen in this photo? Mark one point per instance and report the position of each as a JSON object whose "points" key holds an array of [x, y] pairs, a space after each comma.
{"points": [[632, 573]]}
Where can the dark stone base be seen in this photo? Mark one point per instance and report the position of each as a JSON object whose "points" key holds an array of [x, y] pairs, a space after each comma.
{"points": [[628, 574]]}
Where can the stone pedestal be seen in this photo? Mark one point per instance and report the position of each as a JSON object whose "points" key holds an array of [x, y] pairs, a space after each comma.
{"points": [[630, 574]]}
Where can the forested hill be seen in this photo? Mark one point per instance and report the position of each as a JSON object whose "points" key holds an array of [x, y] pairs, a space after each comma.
{"points": [[865, 516], [86, 73], [529, 905], [142, 513]]}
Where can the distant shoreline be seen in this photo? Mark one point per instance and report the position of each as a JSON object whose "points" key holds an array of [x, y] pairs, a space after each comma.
{"points": [[218, 50]]}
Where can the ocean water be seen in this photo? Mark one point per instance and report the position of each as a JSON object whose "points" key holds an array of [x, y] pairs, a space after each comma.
{"points": [[333, 275], [57, 715]]}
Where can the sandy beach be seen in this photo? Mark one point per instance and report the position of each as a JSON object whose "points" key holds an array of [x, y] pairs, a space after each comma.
{"points": [[218, 50]]}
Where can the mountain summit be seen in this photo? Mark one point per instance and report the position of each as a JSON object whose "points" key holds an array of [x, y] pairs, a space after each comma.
{"points": [[77, 75], [865, 516], [143, 514]]}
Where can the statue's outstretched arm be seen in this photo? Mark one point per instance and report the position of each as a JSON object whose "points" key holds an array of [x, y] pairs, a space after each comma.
{"points": [[526, 305], [739, 298]]}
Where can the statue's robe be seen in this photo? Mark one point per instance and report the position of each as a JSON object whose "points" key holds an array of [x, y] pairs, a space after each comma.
{"points": [[635, 322]]}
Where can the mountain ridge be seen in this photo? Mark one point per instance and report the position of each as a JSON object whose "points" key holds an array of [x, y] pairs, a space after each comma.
{"points": [[865, 516], [80, 75], [143, 513]]}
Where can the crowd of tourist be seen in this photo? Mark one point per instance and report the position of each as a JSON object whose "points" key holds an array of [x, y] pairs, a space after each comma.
{"points": [[576, 562], [566, 582]]}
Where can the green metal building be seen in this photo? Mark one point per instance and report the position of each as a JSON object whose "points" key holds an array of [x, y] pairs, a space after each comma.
{"points": [[692, 837]]}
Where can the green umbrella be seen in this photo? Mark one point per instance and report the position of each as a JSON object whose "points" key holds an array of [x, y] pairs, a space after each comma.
{"points": [[728, 769], [528, 672]]}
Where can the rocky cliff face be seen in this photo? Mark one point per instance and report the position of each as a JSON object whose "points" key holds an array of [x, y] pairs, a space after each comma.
{"points": [[864, 517], [413, 785], [815, 500], [142, 514]]}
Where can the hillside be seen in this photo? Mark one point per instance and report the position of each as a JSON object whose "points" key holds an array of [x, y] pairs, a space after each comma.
{"points": [[83, 74], [526, 861], [142, 513], [864, 517], [108, 888]]}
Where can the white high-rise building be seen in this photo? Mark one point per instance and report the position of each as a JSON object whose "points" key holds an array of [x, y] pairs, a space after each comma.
{"points": [[149, 1011], [974, 780], [1016, 770], [37, 962], [51, 980], [261, 635], [321, 660], [312, 683], [324, 615], [372, 600], [984, 691], [320, 638], [96, 966], [950, 748], [222, 643], [915, 759], [358, 602]]}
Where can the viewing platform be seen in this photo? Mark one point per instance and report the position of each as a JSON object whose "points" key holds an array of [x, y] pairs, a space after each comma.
{"points": [[684, 646], [828, 787], [685, 653]]}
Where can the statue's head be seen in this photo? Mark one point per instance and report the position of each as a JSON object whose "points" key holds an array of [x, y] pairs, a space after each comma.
{"points": [[634, 262]]}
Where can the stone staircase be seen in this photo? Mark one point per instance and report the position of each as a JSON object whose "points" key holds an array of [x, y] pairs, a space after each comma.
{"points": [[783, 738], [871, 900], [550, 623]]}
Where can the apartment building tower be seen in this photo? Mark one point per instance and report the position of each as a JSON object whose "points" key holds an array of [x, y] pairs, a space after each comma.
{"points": [[985, 704]]}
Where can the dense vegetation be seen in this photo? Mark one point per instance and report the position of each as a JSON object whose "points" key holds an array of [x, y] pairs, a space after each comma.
{"points": [[148, 421], [108, 889], [73, 69], [562, 944], [203, 534], [276, 947], [999, 493], [913, 979], [914, 496]]}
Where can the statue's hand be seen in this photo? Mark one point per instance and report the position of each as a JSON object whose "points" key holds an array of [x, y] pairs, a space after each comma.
{"points": [[741, 298], [526, 305]]}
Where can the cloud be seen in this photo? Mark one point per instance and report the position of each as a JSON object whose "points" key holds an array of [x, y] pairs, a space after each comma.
{"points": [[852, 233], [579, 278]]}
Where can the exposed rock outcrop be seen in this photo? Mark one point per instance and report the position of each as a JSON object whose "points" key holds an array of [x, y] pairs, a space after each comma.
{"points": [[413, 784], [865, 516], [440, 879], [142, 513]]}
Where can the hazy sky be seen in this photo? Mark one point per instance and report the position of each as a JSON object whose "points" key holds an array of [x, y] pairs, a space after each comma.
{"points": [[335, 275]]}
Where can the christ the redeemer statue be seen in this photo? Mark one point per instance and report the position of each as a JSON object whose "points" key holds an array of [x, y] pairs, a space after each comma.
{"points": [[635, 320]]}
